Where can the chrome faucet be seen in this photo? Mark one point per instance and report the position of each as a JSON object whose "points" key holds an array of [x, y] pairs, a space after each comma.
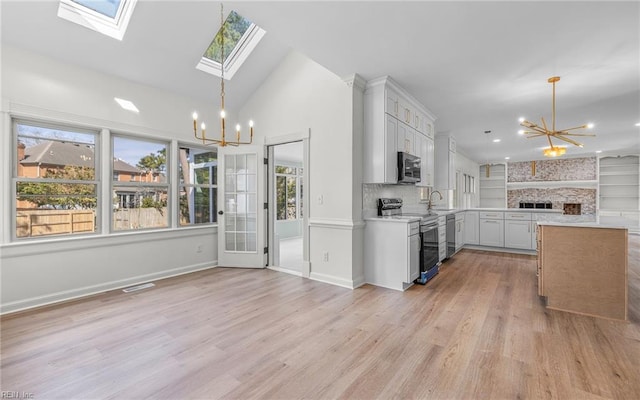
{"points": [[430, 199]]}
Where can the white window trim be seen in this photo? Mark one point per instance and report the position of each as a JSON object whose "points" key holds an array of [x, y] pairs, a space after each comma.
{"points": [[192, 184], [112, 27], [15, 178], [238, 55]]}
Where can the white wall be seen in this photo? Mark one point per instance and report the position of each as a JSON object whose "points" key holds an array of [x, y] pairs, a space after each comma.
{"points": [[302, 96], [37, 272]]}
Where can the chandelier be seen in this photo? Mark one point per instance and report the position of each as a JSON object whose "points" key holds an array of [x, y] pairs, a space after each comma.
{"points": [[537, 130], [223, 140]]}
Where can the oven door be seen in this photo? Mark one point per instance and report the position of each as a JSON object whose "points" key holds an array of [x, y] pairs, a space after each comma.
{"points": [[429, 254]]}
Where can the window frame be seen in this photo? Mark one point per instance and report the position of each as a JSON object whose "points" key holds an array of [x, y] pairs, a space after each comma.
{"points": [[139, 183], [238, 55], [15, 179], [213, 186], [298, 176], [114, 27]]}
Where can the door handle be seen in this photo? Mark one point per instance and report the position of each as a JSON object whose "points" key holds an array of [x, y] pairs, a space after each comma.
{"points": [[220, 212]]}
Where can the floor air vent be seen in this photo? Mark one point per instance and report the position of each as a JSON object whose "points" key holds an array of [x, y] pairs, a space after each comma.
{"points": [[138, 287]]}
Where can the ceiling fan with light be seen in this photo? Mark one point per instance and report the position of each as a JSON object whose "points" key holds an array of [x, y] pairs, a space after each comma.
{"points": [[536, 130]]}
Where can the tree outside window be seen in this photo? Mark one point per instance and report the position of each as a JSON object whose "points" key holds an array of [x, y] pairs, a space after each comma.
{"points": [[288, 192]]}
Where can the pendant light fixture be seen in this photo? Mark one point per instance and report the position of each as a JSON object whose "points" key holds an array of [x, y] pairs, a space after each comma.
{"points": [[223, 140], [561, 134]]}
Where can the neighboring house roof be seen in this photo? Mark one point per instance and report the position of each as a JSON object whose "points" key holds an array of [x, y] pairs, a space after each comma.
{"points": [[121, 166], [65, 153], [59, 153]]}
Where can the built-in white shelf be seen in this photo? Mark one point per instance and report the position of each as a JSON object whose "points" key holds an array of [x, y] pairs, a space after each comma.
{"points": [[493, 189], [619, 187], [591, 184]]}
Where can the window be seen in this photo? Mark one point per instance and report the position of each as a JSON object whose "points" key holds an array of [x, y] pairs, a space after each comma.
{"points": [[55, 180], [140, 195], [109, 17], [198, 187], [241, 37], [288, 192]]}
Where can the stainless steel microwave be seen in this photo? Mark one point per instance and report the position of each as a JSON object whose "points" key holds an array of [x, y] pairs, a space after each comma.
{"points": [[408, 168]]}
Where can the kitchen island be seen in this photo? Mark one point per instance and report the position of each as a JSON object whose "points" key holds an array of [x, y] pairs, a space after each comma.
{"points": [[582, 267]]}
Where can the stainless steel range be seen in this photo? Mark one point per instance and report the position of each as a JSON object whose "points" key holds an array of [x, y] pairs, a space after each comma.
{"points": [[429, 264]]}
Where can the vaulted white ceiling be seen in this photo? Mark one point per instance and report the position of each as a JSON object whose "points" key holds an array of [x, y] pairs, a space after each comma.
{"points": [[477, 65]]}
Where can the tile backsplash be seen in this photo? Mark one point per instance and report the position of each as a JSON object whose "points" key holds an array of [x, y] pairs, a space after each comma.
{"points": [[569, 169], [410, 195], [557, 196]]}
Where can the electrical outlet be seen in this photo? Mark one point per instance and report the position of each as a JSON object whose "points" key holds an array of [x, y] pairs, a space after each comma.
{"points": [[320, 200], [325, 256], [199, 249]]}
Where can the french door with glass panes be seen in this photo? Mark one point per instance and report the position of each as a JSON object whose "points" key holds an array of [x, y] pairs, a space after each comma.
{"points": [[239, 241]]}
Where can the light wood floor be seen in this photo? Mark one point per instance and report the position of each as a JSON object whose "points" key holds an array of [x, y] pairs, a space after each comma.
{"points": [[477, 331]]}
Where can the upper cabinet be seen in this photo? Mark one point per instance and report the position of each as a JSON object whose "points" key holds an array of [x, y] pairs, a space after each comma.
{"points": [[395, 122], [445, 162]]}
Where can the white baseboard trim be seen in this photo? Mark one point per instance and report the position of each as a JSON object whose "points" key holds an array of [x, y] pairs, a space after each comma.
{"points": [[346, 224], [359, 281], [333, 280], [499, 249], [285, 270], [67, 295]]}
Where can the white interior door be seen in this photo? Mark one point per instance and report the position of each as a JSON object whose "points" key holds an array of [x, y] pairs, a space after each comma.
{"points": [[240, 237]]}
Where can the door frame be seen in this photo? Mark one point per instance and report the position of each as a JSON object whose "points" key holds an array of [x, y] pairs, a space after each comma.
{"points": [[303, 137]]}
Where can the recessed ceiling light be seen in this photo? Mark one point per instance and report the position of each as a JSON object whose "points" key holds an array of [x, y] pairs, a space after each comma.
{"points": [[127, 105], [521, 132], [521, 119], [598, 151], [496, 140], [507, 158], [638, 124], [590, 125]]}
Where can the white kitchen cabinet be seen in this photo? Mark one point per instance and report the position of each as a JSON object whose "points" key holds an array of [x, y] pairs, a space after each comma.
{"points": [[459, 237], [518, 232], [413, 250], [392, 121], [442, 238], [380, 142], [392, 253], [471, 227], [492, 229], [406, 139], [392, 104], [425, 152], [445, 162]]}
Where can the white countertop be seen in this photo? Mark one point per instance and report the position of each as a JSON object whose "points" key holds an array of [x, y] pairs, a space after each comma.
{"points": [[395, 218], [529, 210], [587, 221], [543, 217]]}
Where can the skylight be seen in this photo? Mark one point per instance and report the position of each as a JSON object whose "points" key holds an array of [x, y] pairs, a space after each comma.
{"points": [[109, 17], [241, 37]]}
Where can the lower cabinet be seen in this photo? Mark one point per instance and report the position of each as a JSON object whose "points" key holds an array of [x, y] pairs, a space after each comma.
{"points": [[518, 231], [442, 238], [459, 230], [413, 251], [392, 253], [471, 227], [491, 232]]}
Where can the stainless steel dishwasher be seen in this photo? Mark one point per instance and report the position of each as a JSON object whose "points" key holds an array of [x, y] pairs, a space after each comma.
{"points": [[451, 234]]}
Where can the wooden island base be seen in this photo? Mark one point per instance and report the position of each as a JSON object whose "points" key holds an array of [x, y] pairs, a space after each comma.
{"points": [[583, 269]]}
